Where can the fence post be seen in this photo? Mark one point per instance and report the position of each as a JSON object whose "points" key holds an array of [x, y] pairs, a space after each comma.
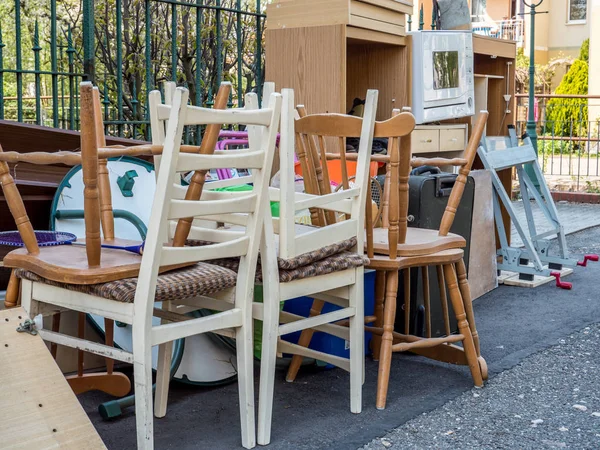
{"points": [[88, 40]]}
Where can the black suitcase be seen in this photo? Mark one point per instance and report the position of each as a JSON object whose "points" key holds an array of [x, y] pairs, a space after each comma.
{"points": [[429, 189]]}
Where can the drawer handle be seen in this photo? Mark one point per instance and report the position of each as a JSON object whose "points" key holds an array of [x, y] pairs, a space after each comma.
{"points": [[454, 139], [428, 141]]}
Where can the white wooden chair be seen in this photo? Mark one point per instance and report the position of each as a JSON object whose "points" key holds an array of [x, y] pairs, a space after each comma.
{"points": [[322, 262], [132, 300]]}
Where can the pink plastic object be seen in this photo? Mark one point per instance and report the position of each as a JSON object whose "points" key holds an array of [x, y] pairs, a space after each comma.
{"points": [[587, 258], [561, 284]]}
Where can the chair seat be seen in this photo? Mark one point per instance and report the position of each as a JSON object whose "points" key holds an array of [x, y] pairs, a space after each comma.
{"points": [[302, 260], [383, 262], [419, 241], [188, 282], [330, 264]]}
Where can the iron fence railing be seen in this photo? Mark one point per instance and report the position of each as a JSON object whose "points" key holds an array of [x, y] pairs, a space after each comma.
{"points": [[568, 139], [127, 48]]}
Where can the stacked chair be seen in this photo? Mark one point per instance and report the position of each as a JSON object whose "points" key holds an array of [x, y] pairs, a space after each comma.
{"points": [[206, 248], [123, 286], [396, 247], [325, 262]]}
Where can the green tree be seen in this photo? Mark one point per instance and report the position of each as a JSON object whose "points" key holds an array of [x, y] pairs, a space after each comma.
{"points": [[584, 53], [569, 117]]}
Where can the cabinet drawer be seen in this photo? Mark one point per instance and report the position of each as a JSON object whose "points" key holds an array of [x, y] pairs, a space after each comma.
{"points": [[425, 141], [452, 139]]}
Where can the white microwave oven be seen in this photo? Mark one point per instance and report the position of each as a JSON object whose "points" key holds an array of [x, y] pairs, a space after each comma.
{"points": [[442, 75]]}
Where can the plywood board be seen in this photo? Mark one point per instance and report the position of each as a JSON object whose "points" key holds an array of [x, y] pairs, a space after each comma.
{"points": [[512, 279], [312, 61], [482, 258], [38, 409]]}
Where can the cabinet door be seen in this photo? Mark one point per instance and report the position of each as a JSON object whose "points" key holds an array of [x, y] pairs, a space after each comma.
{"points": [[452, 139], [425, 141]]}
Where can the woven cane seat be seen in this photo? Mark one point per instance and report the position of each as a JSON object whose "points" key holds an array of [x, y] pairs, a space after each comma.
{"points": [[189, 282]]}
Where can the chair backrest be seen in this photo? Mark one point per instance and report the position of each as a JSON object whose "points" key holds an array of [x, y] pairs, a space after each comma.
{"points": [[168, 207], [207, 147], [313, 135], [463, 173], [395, 203]]}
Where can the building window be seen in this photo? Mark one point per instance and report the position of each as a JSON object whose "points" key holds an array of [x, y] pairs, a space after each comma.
{"points": [[577, 11]]}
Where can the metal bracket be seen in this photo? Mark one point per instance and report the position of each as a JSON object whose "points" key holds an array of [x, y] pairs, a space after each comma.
{"points": [[27, 327]]}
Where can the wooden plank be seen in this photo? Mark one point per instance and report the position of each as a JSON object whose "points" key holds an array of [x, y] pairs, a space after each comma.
{"points": [[485, 45], [372, 24], [307, 13], [38, 409], [403, 6], [371, 10], [362, 34], [312, 61]]}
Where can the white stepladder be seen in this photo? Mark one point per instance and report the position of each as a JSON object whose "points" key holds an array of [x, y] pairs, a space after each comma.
{"points": [[498, 153]]}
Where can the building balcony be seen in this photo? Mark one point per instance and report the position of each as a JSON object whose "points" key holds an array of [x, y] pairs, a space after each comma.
{"points": [[512, 30]]}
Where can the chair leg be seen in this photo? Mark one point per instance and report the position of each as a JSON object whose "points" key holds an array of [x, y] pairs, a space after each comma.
{"points": [[465, 291], [142, 375], [426, 300], [406, 274], [268, 360], [304, 341], [56, 329], [244, 340], [387, 339], [11, 299], [463, 325], [163, 375], [443, 299], [379, 300], [357, 342]]}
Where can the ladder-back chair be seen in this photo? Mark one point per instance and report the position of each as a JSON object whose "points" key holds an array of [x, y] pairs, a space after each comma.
{"points": [[131, 301], [324, 262]]}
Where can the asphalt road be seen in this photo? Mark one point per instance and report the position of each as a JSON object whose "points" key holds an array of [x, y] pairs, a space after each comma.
{"points": [[550, 400]]}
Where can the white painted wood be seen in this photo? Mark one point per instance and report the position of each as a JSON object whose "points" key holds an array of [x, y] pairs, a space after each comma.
{"points": [[232, 219], [315, 321], [157, 127], [323, 200], [187, 208], [244, 244], [338, 361], [163, 371], [287, 210], [178, 330], [343, 206], [229, 249], [77, 301], [245, 160], [320, 237], [344, 284], [87, 346], [310, 286], [210, 235], [357, 342]]}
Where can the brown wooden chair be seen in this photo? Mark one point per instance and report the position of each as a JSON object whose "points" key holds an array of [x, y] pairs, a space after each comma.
{"points": [[397, 247]]}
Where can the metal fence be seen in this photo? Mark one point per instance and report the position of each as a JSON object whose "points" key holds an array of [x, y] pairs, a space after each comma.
{"points": [[511, 29], [127, 48], [568, 139]]}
